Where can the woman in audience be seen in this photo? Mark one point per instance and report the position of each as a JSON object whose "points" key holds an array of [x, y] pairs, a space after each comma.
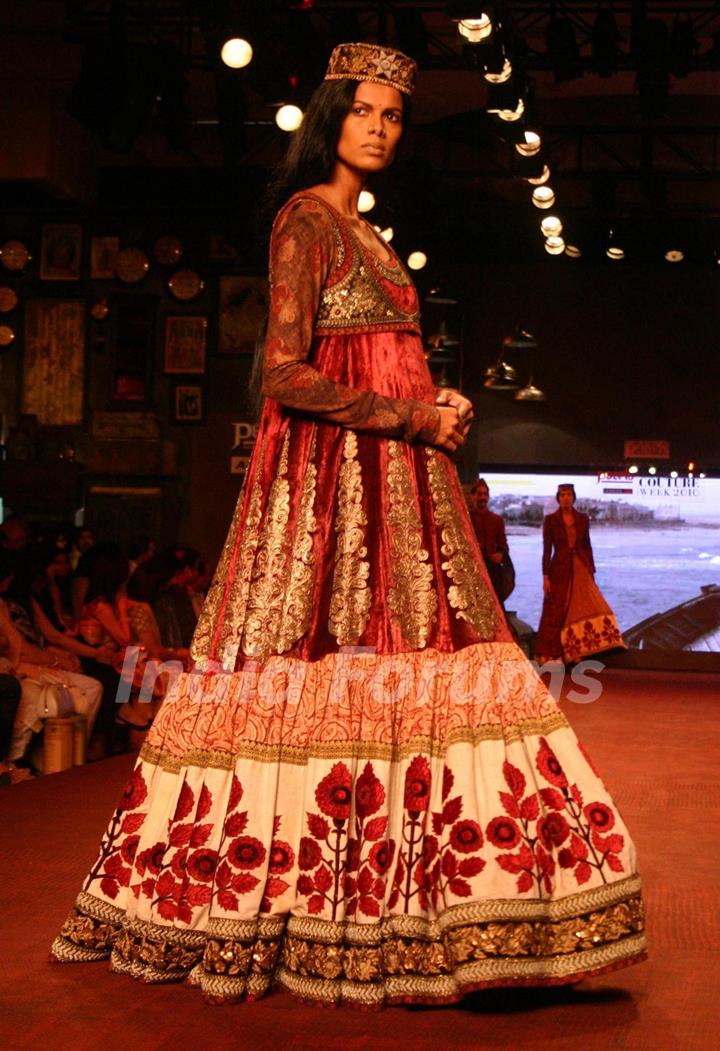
{"points": [[37, 666]]}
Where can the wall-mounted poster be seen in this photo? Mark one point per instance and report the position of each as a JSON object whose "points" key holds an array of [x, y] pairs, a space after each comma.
{"points": [[243, 306], [53, 373], [103, 257], [185, 340], [60, 252]]}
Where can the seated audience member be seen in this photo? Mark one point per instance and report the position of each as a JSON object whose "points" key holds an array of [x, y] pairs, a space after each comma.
{"points": [[198, 586], [144, 589], [31, 590], [140, 549], [111, 615], [10, 694], [173, 604], [83, 540], [37, 667], [59, 585], [14, 533]]}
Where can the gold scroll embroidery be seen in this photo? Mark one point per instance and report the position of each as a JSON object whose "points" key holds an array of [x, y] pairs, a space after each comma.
{"points": [[469, 594], [266, 589], [412, 599], [357, 299], [297, 600], [234, 615], [350, 602]]}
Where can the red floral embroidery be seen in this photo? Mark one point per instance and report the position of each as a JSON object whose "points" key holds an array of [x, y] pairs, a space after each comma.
{"points": [[417, 785], [119, 845], [282, 857], [549, 766], [530, 840], [427, 867], [246, 852], [134, 793], [334, 793], [503, 832]]}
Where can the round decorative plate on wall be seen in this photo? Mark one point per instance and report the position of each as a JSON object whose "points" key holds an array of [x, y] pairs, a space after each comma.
{"points": [[168, 250], [7, 335], [8, 300], [131, 265], [14, 255], [185, 285]]}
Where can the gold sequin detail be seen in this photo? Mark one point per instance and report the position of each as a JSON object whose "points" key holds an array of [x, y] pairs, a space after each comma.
{"points": [[469, 595], [357, 298], [266, 588], [411, 598], [350, 602], [297, 602], [231, 590]]}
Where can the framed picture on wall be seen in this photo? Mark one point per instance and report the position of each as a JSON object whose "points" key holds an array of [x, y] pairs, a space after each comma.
{"points": [[185, 344], [54, 361], [243, 305], [61, 252], [188, 403], [103, 256]]}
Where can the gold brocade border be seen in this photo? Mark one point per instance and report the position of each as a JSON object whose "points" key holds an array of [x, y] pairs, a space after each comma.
{"points": [[351, 597], [469, 594], [268, 581], [399, 958], [297, 597], [411, 598], [296, 756]]}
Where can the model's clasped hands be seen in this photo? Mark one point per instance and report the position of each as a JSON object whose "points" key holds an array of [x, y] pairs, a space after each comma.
{"points": [[456, 415]]}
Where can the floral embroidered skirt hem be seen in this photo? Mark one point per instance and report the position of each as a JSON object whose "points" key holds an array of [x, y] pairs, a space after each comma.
{"points": [[364, 829], [590, 624]]}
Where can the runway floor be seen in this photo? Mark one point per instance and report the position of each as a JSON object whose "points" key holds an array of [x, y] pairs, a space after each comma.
{"points": [[654, 737]]}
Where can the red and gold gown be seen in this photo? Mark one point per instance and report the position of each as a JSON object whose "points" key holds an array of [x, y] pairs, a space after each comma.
{"points": [[363, 792]]}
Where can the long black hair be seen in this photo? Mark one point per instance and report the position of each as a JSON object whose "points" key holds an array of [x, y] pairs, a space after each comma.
{"points": [[312, 152]]}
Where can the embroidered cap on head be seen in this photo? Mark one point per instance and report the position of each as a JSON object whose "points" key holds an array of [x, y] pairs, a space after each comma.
{"points": [[373, 63]]}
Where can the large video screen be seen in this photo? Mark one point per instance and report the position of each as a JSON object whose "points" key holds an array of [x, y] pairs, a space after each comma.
{"points": [[656, 542]]}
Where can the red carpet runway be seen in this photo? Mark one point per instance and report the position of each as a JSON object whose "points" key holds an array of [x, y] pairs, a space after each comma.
{"points": [[654, 737]]}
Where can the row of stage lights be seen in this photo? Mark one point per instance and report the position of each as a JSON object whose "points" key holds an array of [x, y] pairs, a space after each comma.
{"points": [[691, 472], [480, 30]]}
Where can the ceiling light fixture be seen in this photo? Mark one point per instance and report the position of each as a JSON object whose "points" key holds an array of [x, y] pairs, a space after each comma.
{"points": [[543, 197], [236, 53]]}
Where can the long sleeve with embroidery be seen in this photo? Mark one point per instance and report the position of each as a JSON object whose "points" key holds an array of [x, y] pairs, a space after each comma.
{"points": [[302, 256]]}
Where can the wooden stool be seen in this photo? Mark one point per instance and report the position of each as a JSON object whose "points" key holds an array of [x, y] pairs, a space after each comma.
{"points": [[58, 743]]}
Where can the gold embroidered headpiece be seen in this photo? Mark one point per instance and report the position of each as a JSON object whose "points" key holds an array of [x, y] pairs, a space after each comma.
{"points": [[373, 63]]}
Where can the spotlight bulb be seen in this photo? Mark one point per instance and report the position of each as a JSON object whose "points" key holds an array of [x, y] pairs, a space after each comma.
{"points": [[543, 197], [236, 53], [551, 226], [475, 30], [674, 255], [289, 117], [530, 147], [540, 180], [554, 246], [366, 201], [614, 252], [503, 76], [387, 234], [572, 251], [417, 260]]}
